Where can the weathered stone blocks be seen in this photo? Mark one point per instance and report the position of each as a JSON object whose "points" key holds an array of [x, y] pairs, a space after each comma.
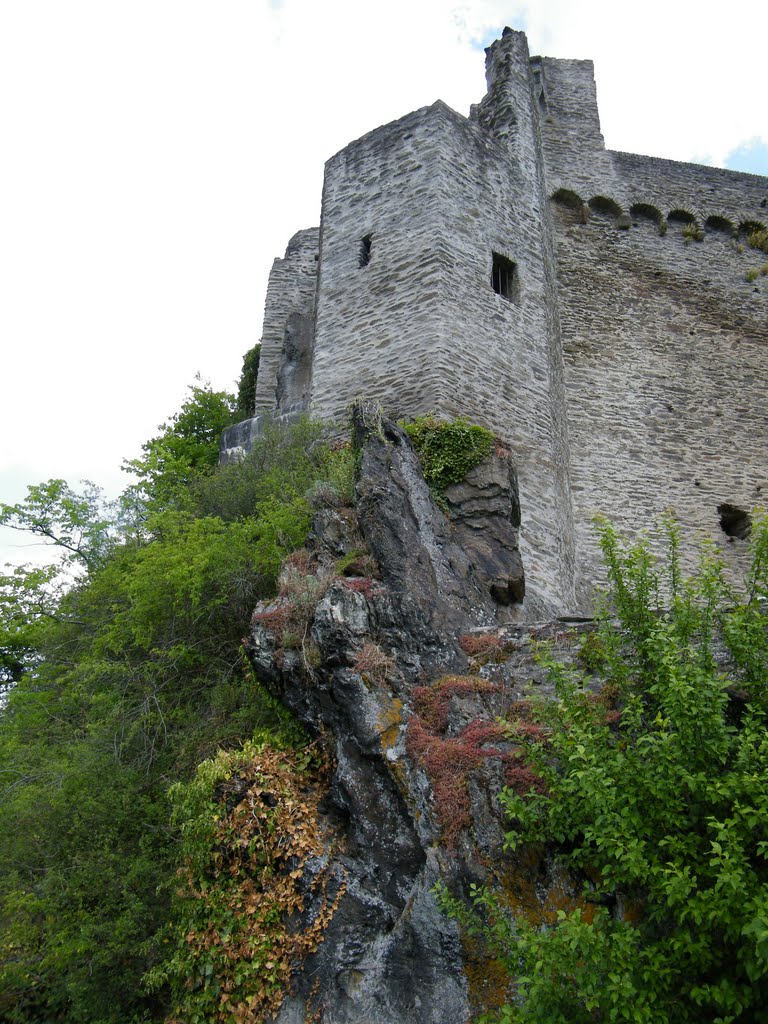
{"points": [[620, 369]]}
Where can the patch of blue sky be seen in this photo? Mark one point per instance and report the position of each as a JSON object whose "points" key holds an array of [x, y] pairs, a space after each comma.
{"points": [[479, 40], [480, 23], [750, 156]]}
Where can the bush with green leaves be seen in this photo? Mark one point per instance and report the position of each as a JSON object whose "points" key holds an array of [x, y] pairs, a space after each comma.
{"points": [[758, 239], [290, 464], [246, 388], [655, 802], [123, 669], [447, 449]]}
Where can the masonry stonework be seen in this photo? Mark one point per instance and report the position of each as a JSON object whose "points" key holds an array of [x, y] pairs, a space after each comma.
{"points": [[624, 361]]}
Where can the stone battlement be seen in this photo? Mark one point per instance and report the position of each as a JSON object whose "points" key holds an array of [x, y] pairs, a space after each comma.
{"points": [[598, 310]]}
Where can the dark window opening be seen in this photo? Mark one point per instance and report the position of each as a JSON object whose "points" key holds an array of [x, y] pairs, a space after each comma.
{"points": [[364, 257], [504, 278], [734, 521]]}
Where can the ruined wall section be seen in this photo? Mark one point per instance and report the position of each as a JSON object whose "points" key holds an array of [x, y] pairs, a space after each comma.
{"points": [[702, 191], [574, 151], [286, 339], [666, 358], [565, 96], [505, 110]]}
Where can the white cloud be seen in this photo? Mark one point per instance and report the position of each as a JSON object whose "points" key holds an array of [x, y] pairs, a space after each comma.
{"points": [[158, 154]]}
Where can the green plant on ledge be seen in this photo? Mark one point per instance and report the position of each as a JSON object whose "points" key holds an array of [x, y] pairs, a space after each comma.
{"points": [[653, 799], [754, 272], [448, 450], [693, 233], [758, 239]]}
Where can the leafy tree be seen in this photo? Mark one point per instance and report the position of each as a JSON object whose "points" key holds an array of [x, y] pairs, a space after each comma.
{"points": [[186, 448], [656, 802], [123, 670], [246, 388], [80, 525], [27, 601]]}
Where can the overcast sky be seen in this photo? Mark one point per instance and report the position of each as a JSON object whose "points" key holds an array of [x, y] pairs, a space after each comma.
{"points": [[158, 154]]}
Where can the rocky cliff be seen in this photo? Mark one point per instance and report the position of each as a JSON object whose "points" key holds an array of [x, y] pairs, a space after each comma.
{"points": [[391, 640]]}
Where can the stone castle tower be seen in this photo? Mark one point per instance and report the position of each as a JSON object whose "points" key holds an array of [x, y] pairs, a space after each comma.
{"points": [[596, 309]]}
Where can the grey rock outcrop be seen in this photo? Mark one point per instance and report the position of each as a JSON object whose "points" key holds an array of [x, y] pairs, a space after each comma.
{"points": [[389, 956], [485, 511], [354, 670], [431, 575]]}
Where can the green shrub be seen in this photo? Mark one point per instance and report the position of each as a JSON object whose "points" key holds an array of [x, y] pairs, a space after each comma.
{"points": [[117, 684], [754, 272], [758, 239], [448, 450], [693, 233], [656, 807], [284, 463]]}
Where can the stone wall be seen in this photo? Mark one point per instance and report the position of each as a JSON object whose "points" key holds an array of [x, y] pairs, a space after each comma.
{"points": [[617, 348], [378, 324], [666, 358], [574, 152], [420, 328], [286, 341]]}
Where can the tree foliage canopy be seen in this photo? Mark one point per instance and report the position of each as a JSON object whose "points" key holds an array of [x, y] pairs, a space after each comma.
{"points": [[186, 447], [122, 670], [246, 391]]}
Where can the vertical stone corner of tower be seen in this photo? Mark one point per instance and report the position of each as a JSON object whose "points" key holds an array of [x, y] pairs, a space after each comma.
{"points": [[508, 90]]}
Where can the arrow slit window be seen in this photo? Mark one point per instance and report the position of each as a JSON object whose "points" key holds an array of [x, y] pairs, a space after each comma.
{"points": [[504, 278], [364, 256]]}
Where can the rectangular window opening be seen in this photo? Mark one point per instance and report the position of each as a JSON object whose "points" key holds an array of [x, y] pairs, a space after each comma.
{"points": [[504, 278], [364, 257]]}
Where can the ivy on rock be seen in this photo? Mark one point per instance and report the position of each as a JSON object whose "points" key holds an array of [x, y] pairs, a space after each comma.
{"points": [[448, 449]]}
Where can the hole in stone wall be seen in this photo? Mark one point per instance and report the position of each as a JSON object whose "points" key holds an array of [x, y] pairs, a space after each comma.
{"points": [[604, 206], [734, 521], [504, 278], [748, 226], [720, 224], [644, 211], [680, 217], [569, 208], [364, 256], [565, 197]]}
